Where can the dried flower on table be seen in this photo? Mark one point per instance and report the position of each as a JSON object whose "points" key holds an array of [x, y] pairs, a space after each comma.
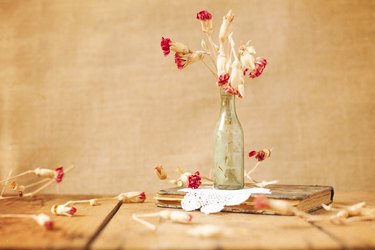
{"points": [[48, 177], [68, 210], [344, 214], [186, 179], [132, 197], [63, 210], [207, 231], [174, 216], [260, 155], [42, 219]]}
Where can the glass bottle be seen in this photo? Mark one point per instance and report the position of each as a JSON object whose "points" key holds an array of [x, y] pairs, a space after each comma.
{"points": [[228, 146]]}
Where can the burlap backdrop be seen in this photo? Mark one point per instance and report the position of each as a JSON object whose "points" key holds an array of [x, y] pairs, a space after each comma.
{"points": [[85, 83]]}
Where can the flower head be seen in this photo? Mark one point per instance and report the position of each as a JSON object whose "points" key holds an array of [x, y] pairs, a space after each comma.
{"points": [[63, 210], [246, 54], [223, 79], [44, 220], [132, 197], [194, 180], [180, 217], [165, 45], [260, 64], [261, 154], [59, 174], [160, 172], [204, 15], [261, 202], [188, 180], [182, 59], [205, 18]]}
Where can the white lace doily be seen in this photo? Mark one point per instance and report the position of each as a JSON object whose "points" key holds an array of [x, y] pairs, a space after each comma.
{"points": [[211, 200]]}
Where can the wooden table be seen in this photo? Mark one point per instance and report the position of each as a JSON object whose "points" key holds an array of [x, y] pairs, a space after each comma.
{"points": [[244, 231]]}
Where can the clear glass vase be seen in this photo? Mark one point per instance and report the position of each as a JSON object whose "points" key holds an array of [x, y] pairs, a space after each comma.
{"points": [[228, 146]]}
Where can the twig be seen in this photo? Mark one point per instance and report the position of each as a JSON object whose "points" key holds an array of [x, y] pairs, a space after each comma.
{"points": [[3, 190], [212, 72]]}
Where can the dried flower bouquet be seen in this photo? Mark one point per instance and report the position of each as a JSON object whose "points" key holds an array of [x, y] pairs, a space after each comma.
{"points": [[228, 64]]}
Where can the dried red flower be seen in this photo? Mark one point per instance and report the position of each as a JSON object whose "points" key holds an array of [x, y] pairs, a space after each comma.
{"points": [[60, 174], [252, 153], [223, 79], [204, 15], [48, 225], [142, 197], [194, 180], [230, 90], [72, 211], [260, 202], [179, 60], [165, 45], [260, 64], [261, 154]]}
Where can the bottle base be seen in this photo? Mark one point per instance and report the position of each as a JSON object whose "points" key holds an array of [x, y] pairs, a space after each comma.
{"points": [[228, 187]]}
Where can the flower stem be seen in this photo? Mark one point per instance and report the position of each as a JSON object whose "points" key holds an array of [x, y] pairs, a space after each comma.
{"points": [[3, 190], [143, 222], [253, 169], [16, 176], [213, 73]]}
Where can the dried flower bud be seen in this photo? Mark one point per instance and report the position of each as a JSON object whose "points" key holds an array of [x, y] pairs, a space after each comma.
{"points": [[132, 197], [45, 221], [59, 174], [159, 171], [182, 59], [194, 180], [63, 210], [227, 20], [207, 231], [246, 54], [165, 45], [223, 79], [260, 155], [176, 216], [44, 172], [204, 15], [252, 153], [261, 202], [205, 18], [180, 217], [260, 65], [281, 207]]}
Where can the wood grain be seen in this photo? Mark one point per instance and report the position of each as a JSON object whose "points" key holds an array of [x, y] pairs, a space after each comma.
{"points": [[69, 232], [243, 231]]}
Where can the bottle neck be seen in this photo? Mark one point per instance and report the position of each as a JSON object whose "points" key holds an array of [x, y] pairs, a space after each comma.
{"points": [[228, 105]]}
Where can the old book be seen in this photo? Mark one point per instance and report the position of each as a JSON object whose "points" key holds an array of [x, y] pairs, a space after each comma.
{"points": [[307, 198]]}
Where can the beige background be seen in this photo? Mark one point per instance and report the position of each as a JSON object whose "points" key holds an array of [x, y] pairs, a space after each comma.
{"points": [[85, 83]]}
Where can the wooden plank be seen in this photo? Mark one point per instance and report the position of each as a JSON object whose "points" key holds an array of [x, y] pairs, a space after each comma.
{"points": [[359, 235], [70, 232], [244, 231]]}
